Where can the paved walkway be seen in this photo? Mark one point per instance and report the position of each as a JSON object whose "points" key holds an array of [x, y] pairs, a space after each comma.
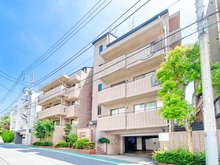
{"points": [[132, 158]]}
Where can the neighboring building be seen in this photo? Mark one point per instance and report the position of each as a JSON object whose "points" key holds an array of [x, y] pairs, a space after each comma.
{"points": [[125, 105], [23, 116], [68, 99], [214, 38]]}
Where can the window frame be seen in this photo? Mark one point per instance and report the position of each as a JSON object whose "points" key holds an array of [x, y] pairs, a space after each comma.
{"points": [[100, 49], [99, 87], [117, 110], [145, 107]]}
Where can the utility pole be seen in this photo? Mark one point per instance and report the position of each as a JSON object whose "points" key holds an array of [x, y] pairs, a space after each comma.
{"points": [[211, 145], [29, 112]]}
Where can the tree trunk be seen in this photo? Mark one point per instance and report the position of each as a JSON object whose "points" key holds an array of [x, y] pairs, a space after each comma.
{"points": [[189, 136]]}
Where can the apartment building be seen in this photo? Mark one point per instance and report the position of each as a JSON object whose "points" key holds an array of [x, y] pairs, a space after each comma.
{"points": [[125, 103], [214, 38], [67, 99], [22, 116]]}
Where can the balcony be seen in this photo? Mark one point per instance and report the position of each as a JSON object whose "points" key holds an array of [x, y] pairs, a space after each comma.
{"points": [[141, 86], [73, 111], [113, 95], [72, 93], [124, 65], [74, 78], [52, 111], [146, 119], [111, 123], [53, 93], [175, 37]]}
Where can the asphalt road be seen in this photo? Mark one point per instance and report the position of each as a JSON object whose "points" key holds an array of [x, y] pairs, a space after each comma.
{"points": [[11, 154]]}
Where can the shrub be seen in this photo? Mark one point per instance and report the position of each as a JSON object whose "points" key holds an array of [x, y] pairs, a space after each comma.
{"points": [[8, 136], [43, 143], [61, 143], [89, 145], [179, 157], [81, 143], [72, 138], [104, 140]]}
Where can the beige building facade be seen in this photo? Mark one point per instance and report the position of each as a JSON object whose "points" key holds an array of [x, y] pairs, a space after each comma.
{"points": [[68, 99], [125, 103]]}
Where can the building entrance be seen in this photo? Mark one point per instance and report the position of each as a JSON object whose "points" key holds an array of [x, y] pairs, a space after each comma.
{"points": [[141, 143]]}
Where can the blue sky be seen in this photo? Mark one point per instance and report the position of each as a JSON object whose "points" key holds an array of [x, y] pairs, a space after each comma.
{"points": [[30, 28]]}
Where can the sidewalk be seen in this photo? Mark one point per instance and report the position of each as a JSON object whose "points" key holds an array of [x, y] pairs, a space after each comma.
{"points": [[140, 160]]}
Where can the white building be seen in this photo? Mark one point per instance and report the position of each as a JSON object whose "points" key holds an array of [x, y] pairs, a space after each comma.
{"points": [[23, 116]]}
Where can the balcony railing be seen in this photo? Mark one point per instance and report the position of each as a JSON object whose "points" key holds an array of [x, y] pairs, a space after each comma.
{"points": [[176, 36], [72, 93], [110, 94], [145, 119], [52, 111], [73, 111], [126, 90], [132, 59], [51, 94]]}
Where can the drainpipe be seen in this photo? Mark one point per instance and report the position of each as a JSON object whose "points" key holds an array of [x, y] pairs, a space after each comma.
{"points": [[61, 100]]}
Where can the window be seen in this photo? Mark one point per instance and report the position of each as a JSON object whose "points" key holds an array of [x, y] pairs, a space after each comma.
{"points": [[117, 111], [47, 107], [56, 122], [100, 87], [73, 103], [100, 48], [56, 104], [154, 82], [99, 109], [144, 75], [119, 83], [145, 106]]}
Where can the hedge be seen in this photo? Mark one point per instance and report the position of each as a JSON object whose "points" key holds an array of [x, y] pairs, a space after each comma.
{"points": [[8, 136], [43, 143], [61, 143]]}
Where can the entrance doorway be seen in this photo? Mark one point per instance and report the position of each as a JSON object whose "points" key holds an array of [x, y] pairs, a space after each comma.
{"points": [[134, 144]]}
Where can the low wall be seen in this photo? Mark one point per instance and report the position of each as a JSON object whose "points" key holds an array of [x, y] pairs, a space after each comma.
{"points": [[173, 140]]}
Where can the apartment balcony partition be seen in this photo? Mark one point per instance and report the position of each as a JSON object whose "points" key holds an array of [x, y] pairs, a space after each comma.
{"points": [[138, 120], [53, 93], [129, 89], [60, 110]]}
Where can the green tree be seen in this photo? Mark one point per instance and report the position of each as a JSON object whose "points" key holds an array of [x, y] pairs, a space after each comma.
{"points": [[67, 129], [4, 123], [43, 129], [181, 67]]}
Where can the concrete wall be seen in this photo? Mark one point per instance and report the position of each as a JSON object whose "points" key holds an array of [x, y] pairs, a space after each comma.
{"points": [[179, 139]]}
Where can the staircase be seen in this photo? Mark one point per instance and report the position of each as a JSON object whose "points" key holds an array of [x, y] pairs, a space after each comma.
{"points": [[196, 126], [99, 150]]}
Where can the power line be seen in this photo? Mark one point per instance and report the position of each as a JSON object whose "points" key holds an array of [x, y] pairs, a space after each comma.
{"points": [[67, 36], [79, 53], [151, 55], [38, 61], [172, 34]]}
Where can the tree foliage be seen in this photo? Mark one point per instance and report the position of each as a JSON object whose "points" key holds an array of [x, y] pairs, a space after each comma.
{"points": [[181, 67], [43, 129], [4, 123]]}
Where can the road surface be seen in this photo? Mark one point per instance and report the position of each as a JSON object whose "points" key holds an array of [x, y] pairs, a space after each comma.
{"points": [[11, 154]]}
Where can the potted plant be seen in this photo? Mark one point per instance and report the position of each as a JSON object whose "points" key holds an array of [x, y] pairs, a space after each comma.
{"points": [[104, 140]]}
